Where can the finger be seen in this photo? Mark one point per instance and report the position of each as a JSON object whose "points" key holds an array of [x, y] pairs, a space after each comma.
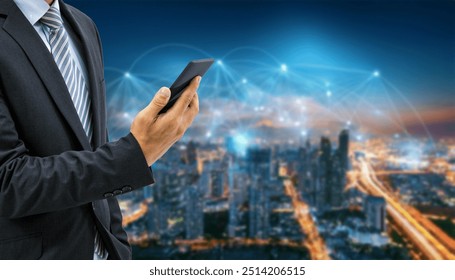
{"points": [[194, 105], [193, 108], [187, 96], [192, 111], [158, 102]]}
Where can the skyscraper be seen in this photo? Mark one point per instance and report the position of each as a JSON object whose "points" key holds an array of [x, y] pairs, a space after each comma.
{"points": [[325, 175], [190, 155], [304, 174], [341, 166], [169, 191], [216, 182], [375, 212], [338, 182], [343, 149], [194, 215], [316, 197], [326, 148], [259, 209], [274, 163], [212, 178], [258, 163], [152, 221], [238, 181]]}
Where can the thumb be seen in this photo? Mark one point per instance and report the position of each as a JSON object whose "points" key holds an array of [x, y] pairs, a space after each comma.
{"points": [[158, 102]]}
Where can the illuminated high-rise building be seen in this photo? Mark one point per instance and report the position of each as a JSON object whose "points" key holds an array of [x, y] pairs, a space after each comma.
{"points": [[304, 174], [169, 189], [274, 163], [194, 214], [337, 183], [315, 196], [204, 182], [325, 175], [258, 162], [258, 165], [216, 182], [211, 180], [325, 148], [191, 153], [259, 209], [375, 212], [238, 181], [343, 149], [328, 174]]}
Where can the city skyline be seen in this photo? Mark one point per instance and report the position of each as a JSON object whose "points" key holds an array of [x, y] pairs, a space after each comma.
{"points": [[326, 129], [297, 197]]}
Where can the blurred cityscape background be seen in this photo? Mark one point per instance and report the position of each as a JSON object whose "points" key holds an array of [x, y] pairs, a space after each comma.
{"points": [[326, 131]]}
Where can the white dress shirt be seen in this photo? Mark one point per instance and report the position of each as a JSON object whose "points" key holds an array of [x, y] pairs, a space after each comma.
{"points": [[34, 10]]}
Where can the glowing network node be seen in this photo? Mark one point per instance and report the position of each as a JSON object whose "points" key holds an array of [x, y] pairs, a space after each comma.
{"points": [[313, 84], [241, 143]]}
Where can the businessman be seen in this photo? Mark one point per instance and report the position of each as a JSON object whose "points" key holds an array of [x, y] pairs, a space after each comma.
{"points": [[58, 174]]}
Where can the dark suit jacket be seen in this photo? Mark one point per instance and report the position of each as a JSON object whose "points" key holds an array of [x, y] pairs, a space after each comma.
{"points": [[55, 186]]}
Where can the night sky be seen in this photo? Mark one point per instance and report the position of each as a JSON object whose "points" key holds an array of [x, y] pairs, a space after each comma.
{"points": [[412, 43]]}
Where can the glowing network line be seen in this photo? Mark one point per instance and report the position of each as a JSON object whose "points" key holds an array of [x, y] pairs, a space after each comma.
{"points": [[249, 91], [163, 46]]}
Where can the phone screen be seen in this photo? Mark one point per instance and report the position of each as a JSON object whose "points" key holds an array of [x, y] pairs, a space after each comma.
{"points": [[194, 68]]}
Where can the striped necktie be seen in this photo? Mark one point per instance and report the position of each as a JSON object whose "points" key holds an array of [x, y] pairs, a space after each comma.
{"points": [[77, 86]]}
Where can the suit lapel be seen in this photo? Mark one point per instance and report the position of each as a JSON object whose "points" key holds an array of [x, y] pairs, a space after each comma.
{"points": [[91, 54], [19, 28]]}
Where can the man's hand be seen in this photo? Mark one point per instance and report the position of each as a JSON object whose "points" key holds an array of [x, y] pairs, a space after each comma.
{"points": [[156, 133]]}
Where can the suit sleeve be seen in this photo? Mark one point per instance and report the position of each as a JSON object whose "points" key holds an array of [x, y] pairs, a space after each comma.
{"points": [[116, 224], [115, 213], [116, 219], [32, 185]]}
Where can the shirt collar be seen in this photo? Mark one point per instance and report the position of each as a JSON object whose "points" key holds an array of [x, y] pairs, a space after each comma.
{"points": [[34, 10]]}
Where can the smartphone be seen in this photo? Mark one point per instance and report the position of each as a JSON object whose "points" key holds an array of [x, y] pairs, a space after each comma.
{"points": [[193, 69]]}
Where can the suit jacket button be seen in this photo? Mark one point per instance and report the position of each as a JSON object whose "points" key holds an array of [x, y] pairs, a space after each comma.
{"points": [[126, 188], [117, 192], [108, 194]]}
